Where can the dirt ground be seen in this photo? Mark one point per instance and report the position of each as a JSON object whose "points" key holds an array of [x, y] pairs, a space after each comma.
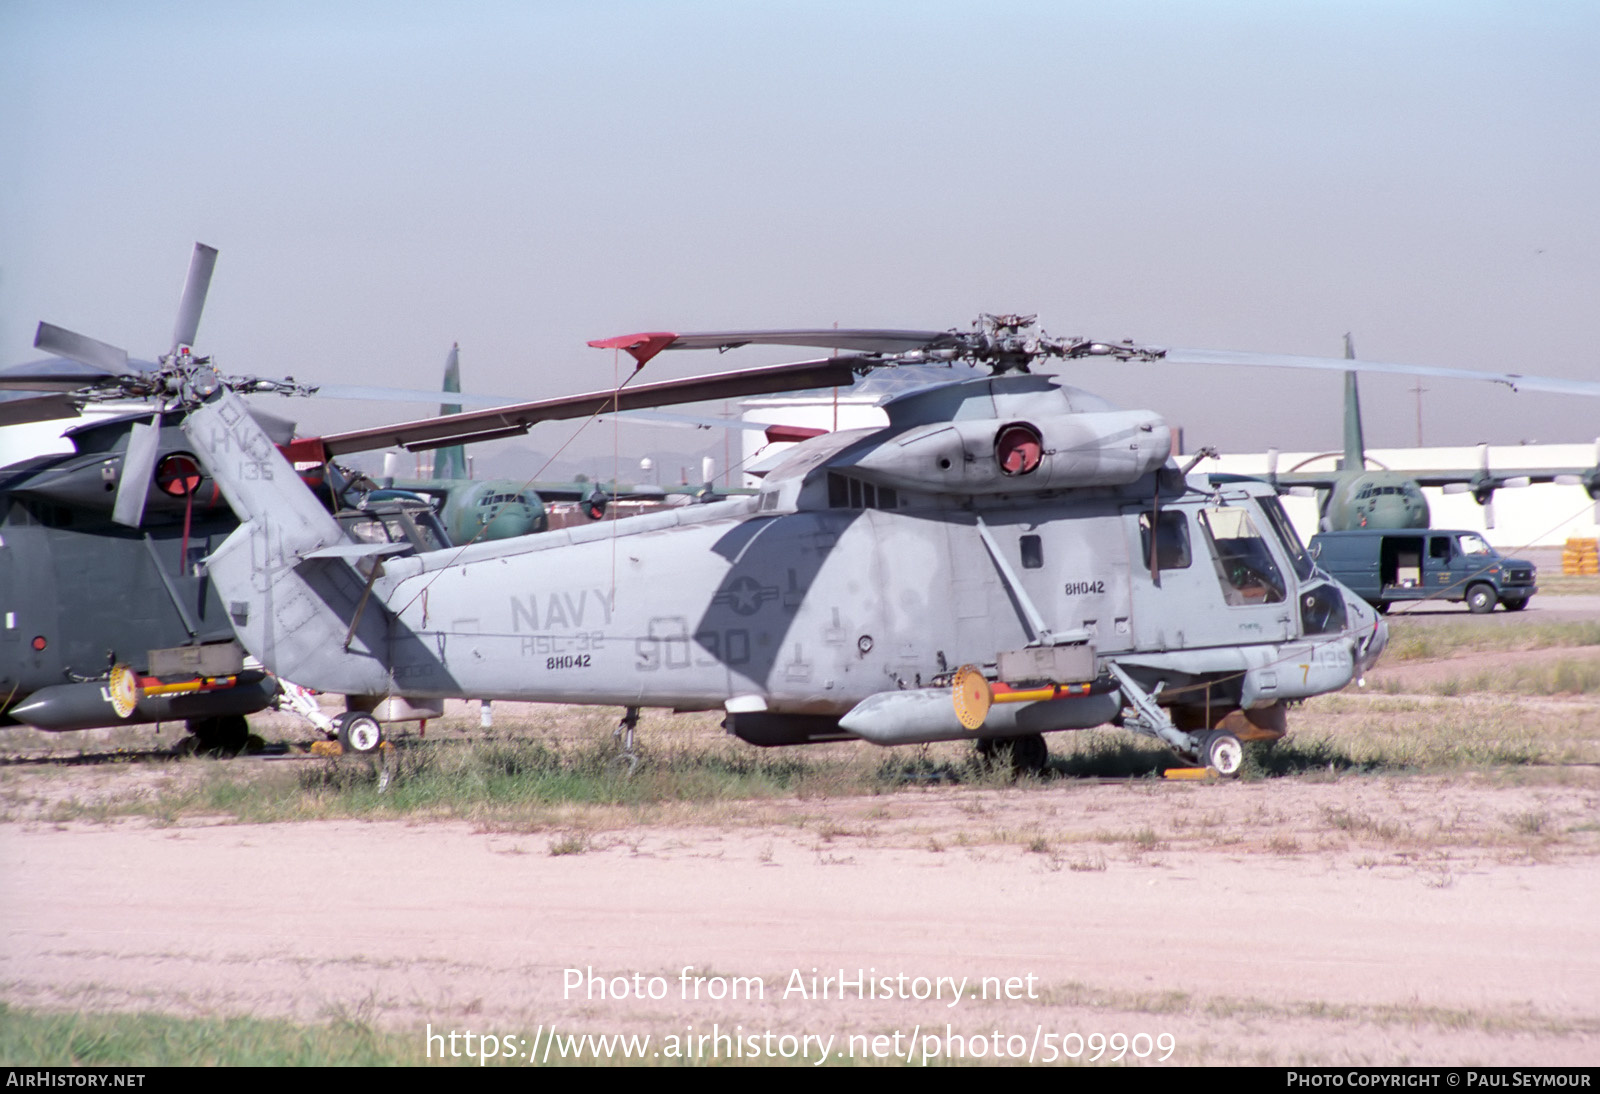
{"points": [[1390, 919]]}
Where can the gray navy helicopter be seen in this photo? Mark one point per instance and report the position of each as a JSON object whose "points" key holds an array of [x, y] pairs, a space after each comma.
{"points": [[1008, 557]]}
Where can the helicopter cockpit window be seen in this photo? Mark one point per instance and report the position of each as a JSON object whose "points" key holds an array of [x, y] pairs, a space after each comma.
{"points": [[1303, 566], [369, 531], [1172, 540], [1322, 610], [416, 526], [429, 533], [1245, 565]]}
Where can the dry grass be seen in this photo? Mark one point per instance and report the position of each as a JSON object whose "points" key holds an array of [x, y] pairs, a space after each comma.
{"points": [[1417, 640], [1560, 676], [1552, 582], [555, 769], [560, 768], [1354, 731]]}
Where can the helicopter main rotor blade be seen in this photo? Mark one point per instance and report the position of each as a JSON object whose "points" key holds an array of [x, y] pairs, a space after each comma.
{"points": [[645, 346], [1514, 380], [42, 408], [63, 375], [193, 301], [79, 376], [138, 464], [510, 421], [81, 348], [860, 340]]}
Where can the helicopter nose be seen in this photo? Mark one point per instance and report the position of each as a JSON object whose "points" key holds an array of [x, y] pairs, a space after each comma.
{"points": [[1370, 645], [1368, 631]]}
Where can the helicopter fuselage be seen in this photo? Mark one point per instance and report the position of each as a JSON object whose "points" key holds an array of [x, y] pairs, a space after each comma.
{"points": [[990, 517]]}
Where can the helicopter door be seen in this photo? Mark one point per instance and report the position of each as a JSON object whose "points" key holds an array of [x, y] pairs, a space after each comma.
{"points": [[1181, 598], [1175, 602]]}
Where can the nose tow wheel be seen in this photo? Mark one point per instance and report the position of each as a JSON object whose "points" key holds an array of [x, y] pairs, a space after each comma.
{"points": [[1221, 750]]}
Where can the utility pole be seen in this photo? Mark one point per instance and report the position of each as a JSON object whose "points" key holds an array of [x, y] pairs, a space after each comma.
{"points": [[1419, 389]]}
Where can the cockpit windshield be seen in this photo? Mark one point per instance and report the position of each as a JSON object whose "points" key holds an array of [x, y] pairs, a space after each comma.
{"points": [[1298, 557], [1244, 562], [414, 524]]}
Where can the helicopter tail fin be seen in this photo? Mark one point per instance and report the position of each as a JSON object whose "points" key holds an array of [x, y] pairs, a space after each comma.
{"points": [[292, 594], [1355, 450], [450, 462]]}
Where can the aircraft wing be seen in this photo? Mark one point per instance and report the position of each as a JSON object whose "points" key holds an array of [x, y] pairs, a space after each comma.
{"points": [[1511, 476], [547, 491], [1314, 480], [433, 488], [578, 491]]}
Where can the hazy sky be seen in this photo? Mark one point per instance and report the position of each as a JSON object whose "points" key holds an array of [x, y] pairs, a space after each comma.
{"points": [[384, 179]]}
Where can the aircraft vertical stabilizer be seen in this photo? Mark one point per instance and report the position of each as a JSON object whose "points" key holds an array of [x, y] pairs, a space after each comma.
{"points": [[294, 603], [1355, 450], [451, 462]]}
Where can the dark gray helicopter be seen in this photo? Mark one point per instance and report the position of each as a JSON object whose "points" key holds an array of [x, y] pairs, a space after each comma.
{"points": [[84, 594], [108, 616], [108, 624]]}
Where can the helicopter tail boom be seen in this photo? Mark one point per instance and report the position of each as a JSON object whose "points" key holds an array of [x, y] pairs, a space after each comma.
{"points": [[294, 603]]}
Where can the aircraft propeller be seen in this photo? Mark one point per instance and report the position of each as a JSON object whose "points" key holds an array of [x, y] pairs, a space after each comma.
{"points": [[1589, 480], [1483, 485]]}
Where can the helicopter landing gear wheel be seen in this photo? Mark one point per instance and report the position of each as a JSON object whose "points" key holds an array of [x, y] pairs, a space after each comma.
{"points": [[1025, 755], [626, 761], [1481, 599], [1222, 751], [1514, 604], [358, 732]]}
